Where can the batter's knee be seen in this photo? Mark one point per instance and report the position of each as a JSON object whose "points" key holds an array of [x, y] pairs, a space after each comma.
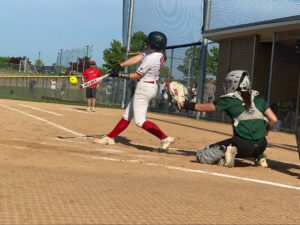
{"points": [[139, 123]]}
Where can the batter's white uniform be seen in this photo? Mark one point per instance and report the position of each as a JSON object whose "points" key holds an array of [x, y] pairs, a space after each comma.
{"points": [[146, 88]]}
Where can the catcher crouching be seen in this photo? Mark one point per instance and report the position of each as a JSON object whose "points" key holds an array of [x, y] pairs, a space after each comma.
{"points": [[251, 118]]}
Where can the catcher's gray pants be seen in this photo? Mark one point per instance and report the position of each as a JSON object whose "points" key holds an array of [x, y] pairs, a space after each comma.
{"points": [[298, 138], [246, 148]]}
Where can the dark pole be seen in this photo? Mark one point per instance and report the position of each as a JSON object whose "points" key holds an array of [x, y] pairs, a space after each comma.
{"points": [[60, 58], [203, 53], [84, 60], [87, 51]]}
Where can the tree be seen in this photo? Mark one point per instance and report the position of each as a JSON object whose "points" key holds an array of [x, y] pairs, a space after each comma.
{"points": [[212, 61], [103, 70], [116, 53], [164, 72], [4, 59], [39, 63], [138, 43], [192, 56], [113, 55]]}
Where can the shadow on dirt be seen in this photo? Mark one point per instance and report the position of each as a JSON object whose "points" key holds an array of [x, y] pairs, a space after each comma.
{"points": [[128, 142], [284, 167]]}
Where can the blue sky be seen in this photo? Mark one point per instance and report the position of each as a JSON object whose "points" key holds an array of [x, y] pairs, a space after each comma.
{"points": [[30, 26]]}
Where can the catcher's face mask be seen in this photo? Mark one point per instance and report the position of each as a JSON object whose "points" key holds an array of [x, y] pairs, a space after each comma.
{"points": [[233, 81]]}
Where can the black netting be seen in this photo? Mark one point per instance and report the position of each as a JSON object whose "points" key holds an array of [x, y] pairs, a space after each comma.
{"points": [[225, 13]]}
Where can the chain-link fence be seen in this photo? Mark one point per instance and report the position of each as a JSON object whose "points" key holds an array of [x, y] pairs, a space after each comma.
{"points": [[27, 68], [74, 59], [58, 89]]}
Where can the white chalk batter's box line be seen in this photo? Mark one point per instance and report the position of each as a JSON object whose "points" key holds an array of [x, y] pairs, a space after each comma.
{"points": [[79, 111], [42, 110], [187, 170]]}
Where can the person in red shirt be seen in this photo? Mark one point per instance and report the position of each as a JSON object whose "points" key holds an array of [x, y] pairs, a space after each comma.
{"points": [[91, 91]]}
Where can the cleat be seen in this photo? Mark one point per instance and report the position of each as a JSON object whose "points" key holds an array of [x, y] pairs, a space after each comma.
{"points": [[105, 141], [221, 162], [230, 154], [262, 160], [93, 110], [88, 109], [165, 143]]}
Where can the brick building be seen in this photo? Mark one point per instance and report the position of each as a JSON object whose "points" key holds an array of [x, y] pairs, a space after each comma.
{"points": [[268, 51]]}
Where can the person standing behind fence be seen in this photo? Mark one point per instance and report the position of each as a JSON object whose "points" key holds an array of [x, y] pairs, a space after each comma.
{"points": [[53, 88], [31, 87], [63, 89], [91, 91]]}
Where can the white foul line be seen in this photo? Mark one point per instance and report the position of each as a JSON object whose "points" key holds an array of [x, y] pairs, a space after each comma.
{"points": [[200, 171], [76, 110], [42, 110], [46, 121]]}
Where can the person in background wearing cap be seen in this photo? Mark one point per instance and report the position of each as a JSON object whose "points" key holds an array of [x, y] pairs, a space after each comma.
{"points": [[89, 74]]}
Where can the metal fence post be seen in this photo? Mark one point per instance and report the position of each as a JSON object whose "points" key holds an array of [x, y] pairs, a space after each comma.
{"points": [[200, 88], [130, 19]]}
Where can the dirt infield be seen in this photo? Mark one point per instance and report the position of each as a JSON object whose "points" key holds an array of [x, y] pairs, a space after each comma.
{"points": [[52, 173]]}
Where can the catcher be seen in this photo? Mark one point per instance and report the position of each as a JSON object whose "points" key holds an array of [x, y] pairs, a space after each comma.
{"points": [[251, 119]]}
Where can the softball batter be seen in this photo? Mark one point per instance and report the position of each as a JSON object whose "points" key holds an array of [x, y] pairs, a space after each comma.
{"points": [[147, 75]]}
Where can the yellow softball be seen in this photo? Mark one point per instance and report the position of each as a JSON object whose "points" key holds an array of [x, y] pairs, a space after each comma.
{"points": [[73, 80]]}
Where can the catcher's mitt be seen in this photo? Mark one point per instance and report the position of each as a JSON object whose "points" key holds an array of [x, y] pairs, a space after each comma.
{"points": [[178, 92]]}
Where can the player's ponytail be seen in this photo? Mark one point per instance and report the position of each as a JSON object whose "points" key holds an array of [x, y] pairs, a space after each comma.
{"points": [[164, 55], [246, 95], [247, 99]]}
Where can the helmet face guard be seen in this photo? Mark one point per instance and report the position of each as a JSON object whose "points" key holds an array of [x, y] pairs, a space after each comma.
{"points": [[157, 40], [233, 81]]}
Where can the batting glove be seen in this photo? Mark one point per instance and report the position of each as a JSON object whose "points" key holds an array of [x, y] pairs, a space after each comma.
{"points": [[114, 72]]}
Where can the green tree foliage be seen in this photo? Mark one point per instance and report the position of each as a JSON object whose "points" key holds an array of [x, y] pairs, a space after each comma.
{"points": [[116, 53], [164, 72], [4, 59], [192, 56], [212, 61], [103, 70], [39, 63], [113, 55], [137, 43]]}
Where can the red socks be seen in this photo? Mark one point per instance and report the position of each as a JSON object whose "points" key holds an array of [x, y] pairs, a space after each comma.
{"points": [[147, 125], [154, 129], [122, 125]]}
